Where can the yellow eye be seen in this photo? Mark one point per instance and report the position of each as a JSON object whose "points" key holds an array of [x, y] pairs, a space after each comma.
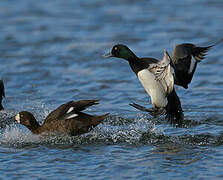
{"points": [[21, 115], [116, 48]]}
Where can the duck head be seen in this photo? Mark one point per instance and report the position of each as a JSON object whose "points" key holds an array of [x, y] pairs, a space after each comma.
{"points": [[121, 51], [27, 119]]}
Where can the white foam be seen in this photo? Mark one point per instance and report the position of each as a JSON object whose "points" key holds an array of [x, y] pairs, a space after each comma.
{"points": [[115, 129], [129, 132], [14, 134]]}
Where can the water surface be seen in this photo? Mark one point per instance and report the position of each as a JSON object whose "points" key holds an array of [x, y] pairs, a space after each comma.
{"points": [[51, 52]]}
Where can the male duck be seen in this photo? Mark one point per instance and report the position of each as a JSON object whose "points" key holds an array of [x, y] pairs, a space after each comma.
{"points": [[2, 93], [157, 78], [184, 64], [67, 118]]}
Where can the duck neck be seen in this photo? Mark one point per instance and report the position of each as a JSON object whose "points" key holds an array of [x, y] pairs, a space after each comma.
{"points": [[135, 64], [33, 126], [131, 57]]}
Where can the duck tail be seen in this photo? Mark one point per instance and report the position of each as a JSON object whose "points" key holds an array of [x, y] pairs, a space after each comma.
{"points": [[99, 119], [174, 112]]}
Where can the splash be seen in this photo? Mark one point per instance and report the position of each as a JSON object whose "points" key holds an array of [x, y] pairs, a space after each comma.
{"points": [[126, 131], [13, 135], [114, 130]]}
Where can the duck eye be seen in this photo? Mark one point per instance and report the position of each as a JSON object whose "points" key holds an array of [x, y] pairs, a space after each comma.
{"points": [[21, 115], [116, 48]]}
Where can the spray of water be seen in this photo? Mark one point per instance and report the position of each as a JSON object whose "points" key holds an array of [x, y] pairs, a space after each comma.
{"points": [[114, 130]]}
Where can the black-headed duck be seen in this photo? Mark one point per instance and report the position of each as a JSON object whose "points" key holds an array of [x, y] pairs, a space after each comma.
{"points": [[157, 78]]}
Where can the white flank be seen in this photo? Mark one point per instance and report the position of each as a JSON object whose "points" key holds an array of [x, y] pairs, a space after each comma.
{"points": [[71, 109], [71, 116], [192, 64], [17, 118], [156, 89]]}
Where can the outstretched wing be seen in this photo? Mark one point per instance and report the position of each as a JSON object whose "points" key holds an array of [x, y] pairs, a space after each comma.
{"points": [[184, 64], [183, 53], [69, 110]]}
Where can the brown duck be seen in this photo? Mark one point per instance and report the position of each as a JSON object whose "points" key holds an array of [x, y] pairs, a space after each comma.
{"points": [[67, 119]]}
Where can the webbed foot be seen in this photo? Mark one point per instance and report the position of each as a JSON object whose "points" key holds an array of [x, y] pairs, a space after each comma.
{"points": [[152, 111]]}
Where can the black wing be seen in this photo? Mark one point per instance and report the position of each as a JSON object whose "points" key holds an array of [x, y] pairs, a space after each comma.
{"points": [[69, 109], [183, 62]]}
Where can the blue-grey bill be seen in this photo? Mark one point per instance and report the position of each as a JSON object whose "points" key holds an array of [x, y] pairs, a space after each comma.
{"points": [[108, 55]]}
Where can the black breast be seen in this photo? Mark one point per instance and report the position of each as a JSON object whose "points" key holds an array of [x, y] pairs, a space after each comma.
{"points": [[141, 63]]}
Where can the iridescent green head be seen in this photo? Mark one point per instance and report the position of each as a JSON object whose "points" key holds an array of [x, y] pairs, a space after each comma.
{"points": [[121, 51]]}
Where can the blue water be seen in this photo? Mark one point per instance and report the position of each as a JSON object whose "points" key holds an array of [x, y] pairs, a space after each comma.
{"points": [[51, 53]]}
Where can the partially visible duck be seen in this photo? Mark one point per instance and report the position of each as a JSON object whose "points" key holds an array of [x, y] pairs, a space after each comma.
{"points": [[2, 93], [185, 58], [67, 119], [157, 78]]}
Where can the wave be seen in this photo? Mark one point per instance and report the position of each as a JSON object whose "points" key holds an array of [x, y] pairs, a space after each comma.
{"points": [[116, 130]]}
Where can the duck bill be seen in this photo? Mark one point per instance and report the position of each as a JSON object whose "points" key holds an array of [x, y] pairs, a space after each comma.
{"points": [[17, 118], [108, 55]]}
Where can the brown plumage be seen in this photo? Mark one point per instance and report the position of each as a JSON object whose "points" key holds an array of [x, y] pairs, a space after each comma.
{"points": [[67, 119]]}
